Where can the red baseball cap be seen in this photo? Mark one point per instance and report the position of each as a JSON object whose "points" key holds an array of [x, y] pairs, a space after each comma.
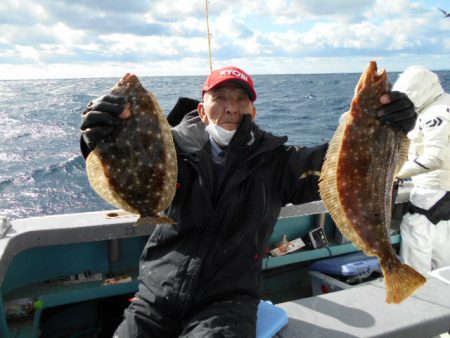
{"points": [[230, 74]]}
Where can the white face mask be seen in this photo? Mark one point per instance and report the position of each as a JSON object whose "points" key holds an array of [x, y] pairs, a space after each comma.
{"points": [[220, 135]]}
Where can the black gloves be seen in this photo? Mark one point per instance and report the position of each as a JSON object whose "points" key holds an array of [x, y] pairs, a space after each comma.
{"points": [[399, 113], [100, 119]]}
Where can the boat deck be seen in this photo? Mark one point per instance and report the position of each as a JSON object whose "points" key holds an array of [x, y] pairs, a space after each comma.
{"points": [[362, 312]]}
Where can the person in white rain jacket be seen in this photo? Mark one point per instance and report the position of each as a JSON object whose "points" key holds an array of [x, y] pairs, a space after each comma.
{"points": [[425, 228]]}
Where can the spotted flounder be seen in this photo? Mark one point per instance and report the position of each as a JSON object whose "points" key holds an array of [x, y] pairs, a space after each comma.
{"points": [[136, 168], [357, 179]]}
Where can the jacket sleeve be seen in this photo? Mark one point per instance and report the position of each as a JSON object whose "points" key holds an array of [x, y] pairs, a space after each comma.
{"points": [[301, 177], [436, 132]]}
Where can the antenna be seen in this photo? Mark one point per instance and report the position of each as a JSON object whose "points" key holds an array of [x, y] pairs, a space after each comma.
{"points": [[209, 36]]}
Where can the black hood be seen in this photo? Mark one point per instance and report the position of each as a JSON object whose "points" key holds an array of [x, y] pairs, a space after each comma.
{"points": [[190, 135]]}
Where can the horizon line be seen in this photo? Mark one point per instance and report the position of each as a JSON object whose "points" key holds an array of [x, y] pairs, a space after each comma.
{"points": [[193, 75]]}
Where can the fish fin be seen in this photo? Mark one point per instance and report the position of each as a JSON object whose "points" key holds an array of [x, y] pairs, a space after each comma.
{"points": [[401, 282], [99, 181], [328, 185], [156, 219], [403, 154]]}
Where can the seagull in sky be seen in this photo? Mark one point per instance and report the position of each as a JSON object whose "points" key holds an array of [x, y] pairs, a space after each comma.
{"points": [[446, 14]]}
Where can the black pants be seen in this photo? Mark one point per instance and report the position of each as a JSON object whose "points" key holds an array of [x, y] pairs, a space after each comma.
{"points": [[227, 318]]}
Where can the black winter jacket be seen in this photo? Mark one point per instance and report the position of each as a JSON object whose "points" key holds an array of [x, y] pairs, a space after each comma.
{"points": [[224, 221]]}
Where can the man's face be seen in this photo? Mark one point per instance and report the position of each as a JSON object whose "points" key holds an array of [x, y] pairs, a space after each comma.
{"points": [[225, 106]]}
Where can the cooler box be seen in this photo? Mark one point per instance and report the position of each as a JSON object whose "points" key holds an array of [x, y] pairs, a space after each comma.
{"points": [[343, 272]]}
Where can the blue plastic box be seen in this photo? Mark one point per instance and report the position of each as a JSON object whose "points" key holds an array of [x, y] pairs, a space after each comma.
{"points": [[349, 265], [271, 319], [357, 267]]}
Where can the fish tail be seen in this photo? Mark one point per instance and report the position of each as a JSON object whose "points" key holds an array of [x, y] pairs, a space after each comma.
{"points": [[155, 219], [401, 281]]}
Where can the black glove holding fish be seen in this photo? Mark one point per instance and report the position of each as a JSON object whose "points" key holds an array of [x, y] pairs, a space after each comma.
{"points": [[100, 119], [399, 112]]}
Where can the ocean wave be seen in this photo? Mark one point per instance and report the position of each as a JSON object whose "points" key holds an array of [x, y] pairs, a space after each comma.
{"points": [[72, 165], [58, 188]]}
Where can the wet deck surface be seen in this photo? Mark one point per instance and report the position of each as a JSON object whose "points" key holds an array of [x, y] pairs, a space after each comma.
{"points": [[362, 312]]}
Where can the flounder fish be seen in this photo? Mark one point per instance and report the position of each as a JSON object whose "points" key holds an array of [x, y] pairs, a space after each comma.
{"points": [[357, 179], [136, 168]]}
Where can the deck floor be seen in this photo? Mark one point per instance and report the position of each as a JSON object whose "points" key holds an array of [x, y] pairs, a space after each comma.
{"points": [[362, 312]]}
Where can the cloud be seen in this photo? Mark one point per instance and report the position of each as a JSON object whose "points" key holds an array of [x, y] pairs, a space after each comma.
{"points": [[171, 33], [102, 18]]}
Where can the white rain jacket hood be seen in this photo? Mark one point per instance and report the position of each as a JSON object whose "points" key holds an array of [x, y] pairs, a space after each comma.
{"points": [[421, 85], [429, 154]]}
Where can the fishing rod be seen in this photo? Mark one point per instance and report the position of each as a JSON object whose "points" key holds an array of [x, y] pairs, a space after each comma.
{"points": [[209, 36]]}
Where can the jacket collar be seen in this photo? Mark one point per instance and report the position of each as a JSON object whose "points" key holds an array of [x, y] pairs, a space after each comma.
{"points": [[190, 136]]}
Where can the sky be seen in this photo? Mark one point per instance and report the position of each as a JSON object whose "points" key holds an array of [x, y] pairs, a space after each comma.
{"points": [[42, 39]]}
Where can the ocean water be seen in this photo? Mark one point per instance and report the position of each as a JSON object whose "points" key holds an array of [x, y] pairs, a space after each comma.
{"points": [[43, 173]]}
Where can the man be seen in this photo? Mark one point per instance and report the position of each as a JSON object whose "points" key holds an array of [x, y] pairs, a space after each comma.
{"points": [[202, 276], [425, 229]]}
